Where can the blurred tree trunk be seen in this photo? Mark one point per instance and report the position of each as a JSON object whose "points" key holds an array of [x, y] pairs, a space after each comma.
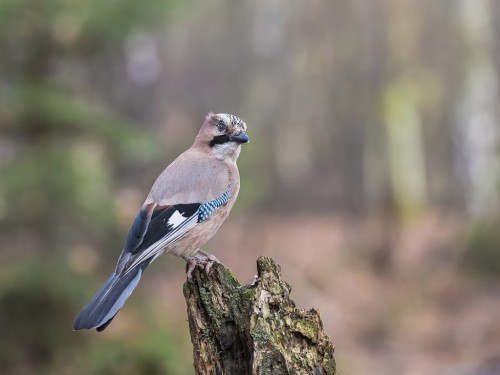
{"points": [[253, 329]]}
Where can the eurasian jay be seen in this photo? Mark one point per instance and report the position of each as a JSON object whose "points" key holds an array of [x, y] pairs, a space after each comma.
{"points": [[185, 207]]}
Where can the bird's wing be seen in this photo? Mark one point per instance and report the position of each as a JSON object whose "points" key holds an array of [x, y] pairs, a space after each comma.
{"points": [[156, 226]]}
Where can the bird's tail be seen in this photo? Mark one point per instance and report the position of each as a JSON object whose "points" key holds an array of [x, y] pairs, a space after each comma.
{"points": [[108, 300]]}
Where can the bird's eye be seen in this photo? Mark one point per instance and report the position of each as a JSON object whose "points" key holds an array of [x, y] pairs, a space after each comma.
{"points": [[221, 126]]}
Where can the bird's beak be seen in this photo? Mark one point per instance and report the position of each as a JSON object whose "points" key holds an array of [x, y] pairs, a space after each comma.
{"points": [[240, 137]]}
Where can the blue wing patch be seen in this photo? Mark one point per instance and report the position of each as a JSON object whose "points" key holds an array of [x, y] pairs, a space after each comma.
{"points": [[207, 209]]}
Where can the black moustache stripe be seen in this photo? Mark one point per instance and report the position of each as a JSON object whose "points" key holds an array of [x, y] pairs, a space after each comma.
{"points": [[219, 139]]}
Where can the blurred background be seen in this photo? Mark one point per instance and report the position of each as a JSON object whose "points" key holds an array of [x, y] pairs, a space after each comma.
{"points": [[372, 176]]}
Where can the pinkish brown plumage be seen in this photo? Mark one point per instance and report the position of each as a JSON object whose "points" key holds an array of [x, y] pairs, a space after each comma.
{"points": [[185, 207]]}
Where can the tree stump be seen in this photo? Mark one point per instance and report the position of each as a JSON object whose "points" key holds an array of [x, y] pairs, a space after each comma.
{"points": [[253, 329]]}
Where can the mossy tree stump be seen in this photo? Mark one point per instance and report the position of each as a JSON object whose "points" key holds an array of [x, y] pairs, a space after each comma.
{"points": [[253, 329]]}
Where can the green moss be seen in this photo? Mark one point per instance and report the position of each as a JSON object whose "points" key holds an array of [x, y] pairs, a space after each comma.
{"points": [[247, 294], [260, 334], [236, 303], [308, 328], [277, 336], [276, 288], [230, 276], [213, 310]]}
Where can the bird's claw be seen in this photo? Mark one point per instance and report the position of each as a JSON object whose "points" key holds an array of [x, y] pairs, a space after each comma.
{"points": [[203, 260]]}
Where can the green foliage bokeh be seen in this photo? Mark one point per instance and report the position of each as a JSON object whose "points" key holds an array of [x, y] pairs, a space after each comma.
{"points": [[61, 149]]}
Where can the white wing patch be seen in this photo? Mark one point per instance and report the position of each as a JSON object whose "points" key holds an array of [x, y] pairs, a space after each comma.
{"points": [[176, 219]]}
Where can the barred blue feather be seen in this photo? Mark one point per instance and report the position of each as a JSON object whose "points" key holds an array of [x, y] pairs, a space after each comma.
{"points": [[207, 209]]}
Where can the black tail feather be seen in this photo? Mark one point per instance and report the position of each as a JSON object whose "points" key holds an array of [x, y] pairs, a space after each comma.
{"points": [[108, 300]]}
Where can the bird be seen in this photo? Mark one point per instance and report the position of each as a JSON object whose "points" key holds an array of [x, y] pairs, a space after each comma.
{"points": [[184, 208]]}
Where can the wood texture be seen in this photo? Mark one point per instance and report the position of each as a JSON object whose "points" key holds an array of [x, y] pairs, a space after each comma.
{"points": [[253, 329]]}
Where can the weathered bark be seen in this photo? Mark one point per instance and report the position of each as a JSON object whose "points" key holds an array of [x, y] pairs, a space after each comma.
{"points": [[253, 329]]}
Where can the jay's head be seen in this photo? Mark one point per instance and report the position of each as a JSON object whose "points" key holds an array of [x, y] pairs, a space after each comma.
{"points": [[223, 134]]}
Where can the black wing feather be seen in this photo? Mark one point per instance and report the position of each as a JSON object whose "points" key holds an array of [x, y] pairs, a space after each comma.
{"points": [[138, 230], [159, 226]]}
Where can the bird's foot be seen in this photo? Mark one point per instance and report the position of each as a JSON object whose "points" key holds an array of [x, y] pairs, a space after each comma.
{"points": [[202, 259], [209, 256]]}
